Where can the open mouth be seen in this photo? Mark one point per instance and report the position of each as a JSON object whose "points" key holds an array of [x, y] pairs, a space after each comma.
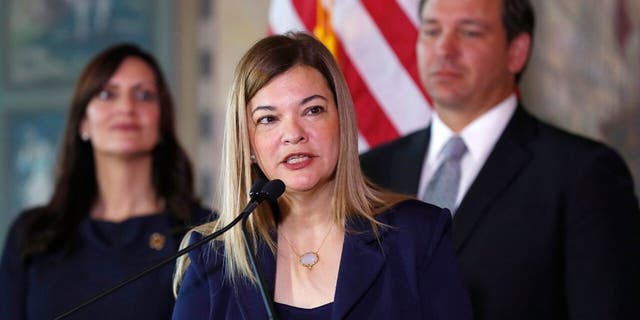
{"points": [[298, 158]]}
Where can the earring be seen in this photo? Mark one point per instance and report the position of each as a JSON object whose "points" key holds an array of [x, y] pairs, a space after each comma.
{"points": [[85, 136], [253, 158]]}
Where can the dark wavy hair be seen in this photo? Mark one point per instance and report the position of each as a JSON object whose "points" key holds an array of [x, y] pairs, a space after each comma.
{"points": [[54, 226]]}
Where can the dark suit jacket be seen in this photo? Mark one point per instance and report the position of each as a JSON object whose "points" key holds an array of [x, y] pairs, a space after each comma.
{"points": [[549, 229], [410, 273]]}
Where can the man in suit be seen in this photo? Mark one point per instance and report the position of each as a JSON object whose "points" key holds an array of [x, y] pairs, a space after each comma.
{"points": [[546, 224]]}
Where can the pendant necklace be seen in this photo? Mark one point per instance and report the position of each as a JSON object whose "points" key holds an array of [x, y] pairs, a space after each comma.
{"points": [[310, 258]]}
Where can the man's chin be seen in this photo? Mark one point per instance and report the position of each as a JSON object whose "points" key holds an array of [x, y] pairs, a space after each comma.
{"points": [[446, 99]]}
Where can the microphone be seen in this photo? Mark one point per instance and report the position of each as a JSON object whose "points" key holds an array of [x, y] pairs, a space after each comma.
{"points": [[273, 201], [268, 190], [256, 188], [272, 190], [261, 190]]}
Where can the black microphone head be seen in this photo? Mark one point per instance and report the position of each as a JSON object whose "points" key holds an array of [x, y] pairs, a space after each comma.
{"points": [[256, 188], [273, 189]]}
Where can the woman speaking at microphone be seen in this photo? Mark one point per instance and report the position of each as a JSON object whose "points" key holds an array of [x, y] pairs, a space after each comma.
{"points": [[340, 248], [123, 199]]}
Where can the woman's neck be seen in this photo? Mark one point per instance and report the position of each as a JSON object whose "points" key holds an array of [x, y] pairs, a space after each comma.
{"points": [[308, 215], [309, 207], [125, 189]]}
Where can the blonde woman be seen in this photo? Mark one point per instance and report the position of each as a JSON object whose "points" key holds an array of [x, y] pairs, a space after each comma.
{"points": [[340, 248]]}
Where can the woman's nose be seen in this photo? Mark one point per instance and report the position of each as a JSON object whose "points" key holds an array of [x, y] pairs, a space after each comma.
{"points": [[126, 103], [294, 132]]}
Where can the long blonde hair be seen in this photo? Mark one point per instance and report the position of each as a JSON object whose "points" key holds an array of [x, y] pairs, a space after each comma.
{"points": [[353, 194]]}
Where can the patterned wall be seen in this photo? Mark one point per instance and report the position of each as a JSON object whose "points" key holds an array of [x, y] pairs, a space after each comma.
{"points": [[585, 71]]}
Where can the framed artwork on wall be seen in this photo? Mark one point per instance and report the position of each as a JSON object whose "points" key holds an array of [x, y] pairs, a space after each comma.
{"points": [[33, 138], [47, 42]]}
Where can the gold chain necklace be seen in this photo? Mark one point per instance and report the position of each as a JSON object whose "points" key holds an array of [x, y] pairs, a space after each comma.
{"points": [[310, 258]]}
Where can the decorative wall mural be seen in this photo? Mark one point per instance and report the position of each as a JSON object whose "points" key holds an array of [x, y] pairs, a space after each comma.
{"points": [[585, 71], [48, 41], [33, 138]]}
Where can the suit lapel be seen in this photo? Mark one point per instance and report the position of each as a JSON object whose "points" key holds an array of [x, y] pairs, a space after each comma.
{"points": [[508, 157], [405, 164], [360, 264]]}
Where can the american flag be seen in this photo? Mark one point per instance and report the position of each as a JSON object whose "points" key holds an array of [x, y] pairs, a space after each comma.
{"points": [[374, 44]]}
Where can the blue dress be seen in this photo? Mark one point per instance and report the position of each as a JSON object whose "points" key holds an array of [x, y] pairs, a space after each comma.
{"points": [[49, 284], [408, 272]]}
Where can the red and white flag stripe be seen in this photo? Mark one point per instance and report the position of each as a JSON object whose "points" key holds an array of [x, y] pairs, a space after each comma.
{"points": [[375, 47]]}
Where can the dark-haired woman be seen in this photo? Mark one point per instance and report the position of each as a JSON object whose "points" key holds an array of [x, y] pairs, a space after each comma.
{"points": [[123, 198]]}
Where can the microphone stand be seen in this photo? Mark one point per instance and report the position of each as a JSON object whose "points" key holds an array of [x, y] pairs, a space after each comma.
{"points": [[255, 201], [266, 298]]}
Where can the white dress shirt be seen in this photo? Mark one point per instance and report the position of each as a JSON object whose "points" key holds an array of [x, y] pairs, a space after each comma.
{"points": [[480, 136]]}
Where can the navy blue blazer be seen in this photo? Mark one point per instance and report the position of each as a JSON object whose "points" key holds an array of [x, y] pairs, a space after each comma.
{"points": [[410, 273]]}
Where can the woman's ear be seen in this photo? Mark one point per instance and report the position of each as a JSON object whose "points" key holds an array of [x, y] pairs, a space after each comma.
{"points": [[83, 130]]}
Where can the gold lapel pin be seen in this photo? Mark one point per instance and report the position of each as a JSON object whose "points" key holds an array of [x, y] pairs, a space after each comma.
{"points": [[157, 241]]}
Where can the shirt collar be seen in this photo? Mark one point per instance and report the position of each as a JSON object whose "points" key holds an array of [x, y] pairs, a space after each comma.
{"points": [[479, 136]]}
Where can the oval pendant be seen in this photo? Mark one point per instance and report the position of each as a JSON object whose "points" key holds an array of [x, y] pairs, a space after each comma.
{"points": [[309, 259]]}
